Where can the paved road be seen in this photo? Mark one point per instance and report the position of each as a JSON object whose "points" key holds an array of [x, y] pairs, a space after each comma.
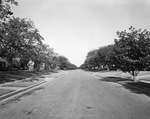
{"points": [[78, 95]]}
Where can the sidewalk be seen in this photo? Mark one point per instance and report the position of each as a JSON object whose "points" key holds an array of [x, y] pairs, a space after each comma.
{"points": [[143, 85], [11, 89]]}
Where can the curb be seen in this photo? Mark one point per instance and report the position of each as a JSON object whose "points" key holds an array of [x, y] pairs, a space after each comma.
{"points": [[5, 96], [145, 81]]}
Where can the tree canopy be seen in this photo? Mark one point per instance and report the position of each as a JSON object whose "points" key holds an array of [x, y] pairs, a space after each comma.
{"points": [[21, 40], [129, 53], [132, 50], [63, 63]]}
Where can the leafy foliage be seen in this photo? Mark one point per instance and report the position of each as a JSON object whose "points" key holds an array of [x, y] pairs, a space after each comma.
{"points": [[130, 53], [64, 63], [17, 36], [98, 59], [132, 50], [5, 10], [21, 42]]}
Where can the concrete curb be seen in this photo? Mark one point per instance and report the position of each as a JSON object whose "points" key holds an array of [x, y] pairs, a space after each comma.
{"points": [[8, 95], [145, 81]]}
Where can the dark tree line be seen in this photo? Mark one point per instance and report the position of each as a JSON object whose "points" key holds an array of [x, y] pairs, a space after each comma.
{"points": [[64, 63]]}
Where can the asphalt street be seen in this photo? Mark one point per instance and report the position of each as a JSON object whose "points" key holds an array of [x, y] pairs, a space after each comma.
{"points": [[78, 95]]}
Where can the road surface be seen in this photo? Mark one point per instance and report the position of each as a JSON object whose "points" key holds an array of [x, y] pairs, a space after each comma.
{"points": [[78, 95]]}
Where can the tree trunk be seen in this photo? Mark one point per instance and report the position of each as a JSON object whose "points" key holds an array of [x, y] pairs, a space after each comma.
{"points": [[134, 74], [46, 66], [10, 60], [38, 66], [134, 78], [10, 64], [35, 65]]}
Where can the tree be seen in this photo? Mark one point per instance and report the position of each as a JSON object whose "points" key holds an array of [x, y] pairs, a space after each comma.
{"points": [[38, 56], [63, 61], [111, 59], [102, 54], [5, 10], [90, 62], [19, 39], [12, 38], [47, 55], [97, 59], [17, 36], [33, 45], [132, 50]]}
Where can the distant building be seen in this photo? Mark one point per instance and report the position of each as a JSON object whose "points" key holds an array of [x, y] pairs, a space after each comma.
{"points": [[31, 65]]}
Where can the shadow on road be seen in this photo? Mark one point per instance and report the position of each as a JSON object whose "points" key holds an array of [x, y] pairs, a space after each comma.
{"points": [[134, 87]]}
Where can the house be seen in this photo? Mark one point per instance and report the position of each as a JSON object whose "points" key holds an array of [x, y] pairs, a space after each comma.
{"points": [[3, 64]]}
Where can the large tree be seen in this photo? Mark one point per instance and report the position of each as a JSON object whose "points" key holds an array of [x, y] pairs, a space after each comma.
{"points": [[111, 59], [19, 39], [63, 63], [91, 60], [132, 50], [17, 35], [33, 42], [97, 59]]}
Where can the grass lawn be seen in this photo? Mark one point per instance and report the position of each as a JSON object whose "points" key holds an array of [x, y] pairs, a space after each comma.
{"points": [[144, 73], [6, 76], [5, 91]]}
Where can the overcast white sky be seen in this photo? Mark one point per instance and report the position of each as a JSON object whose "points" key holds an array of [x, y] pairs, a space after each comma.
{"points": [[74, 27]]}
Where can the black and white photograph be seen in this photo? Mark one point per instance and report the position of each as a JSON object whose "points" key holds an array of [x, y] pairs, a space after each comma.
{"points": [[74, 59]]}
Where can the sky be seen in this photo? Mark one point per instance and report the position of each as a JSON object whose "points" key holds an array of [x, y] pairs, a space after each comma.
{"points": [[74, 27]]}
